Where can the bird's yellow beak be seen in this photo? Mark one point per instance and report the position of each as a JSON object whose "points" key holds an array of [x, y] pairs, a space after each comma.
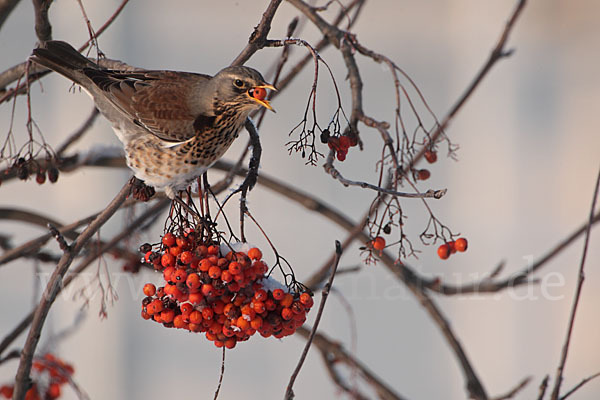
{"points": [[260, 95]]}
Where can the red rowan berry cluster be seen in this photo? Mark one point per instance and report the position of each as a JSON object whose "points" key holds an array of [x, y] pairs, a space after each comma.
{"points": [[449, 248], [340, 144], [49, 373], [220, 290]]}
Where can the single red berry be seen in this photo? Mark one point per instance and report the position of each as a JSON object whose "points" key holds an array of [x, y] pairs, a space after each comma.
{"points": [[40, 178], [345, 142], [378, 243], [431, 156], [423, 174], [259, 93], [214, 272], [461, 244], [193, 281], [167, 260], [149, 289], [278, 294], [341, 155], [306, 299], [444, 251], [255, 253], [186, 257], [169, 239]]}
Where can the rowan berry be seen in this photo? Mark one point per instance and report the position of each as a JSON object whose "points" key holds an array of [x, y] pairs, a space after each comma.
{"points": [[259, 307], [167, 260], [378, 243], [255, 253], [193, 281], [444, 251], [423, 174], [195, 298], [278, 294], [431, 156], [270, 304], [451, 246], [258, 93], [297, 307], [214, 272], [345, 142], [461, 244], [256, 322], [175, 250], [195, 317], [186, 308], [287, 313], [287, 300], [149, 289], [180, 275], [260, 268], [207, 313], [208, 290], [186, 257], [40, 178], [235, 268], [230, 343], [213, 250], [53, 174], [306, 300], [167, 315], [182, 242], [242, 323], [341, 155], [226, 276], [204, 265], [169, 239]]}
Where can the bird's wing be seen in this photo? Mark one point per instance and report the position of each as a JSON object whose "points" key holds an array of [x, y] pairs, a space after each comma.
{"points": [[155, 100]]}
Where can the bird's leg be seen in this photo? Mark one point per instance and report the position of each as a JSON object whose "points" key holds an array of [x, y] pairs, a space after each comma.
{"points": [[139, 190]]}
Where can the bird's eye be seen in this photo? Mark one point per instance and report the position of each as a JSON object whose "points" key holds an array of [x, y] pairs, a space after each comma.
{"points": [[239, 83]]}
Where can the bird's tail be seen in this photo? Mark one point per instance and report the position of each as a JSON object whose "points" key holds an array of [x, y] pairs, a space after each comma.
{"points": [[63, 58]]}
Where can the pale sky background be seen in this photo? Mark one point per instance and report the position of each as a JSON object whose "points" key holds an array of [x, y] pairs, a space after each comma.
{"points": [[528, 159]]}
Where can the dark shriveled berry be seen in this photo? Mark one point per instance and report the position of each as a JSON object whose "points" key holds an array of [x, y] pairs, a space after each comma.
{"points": [[53, 174]]}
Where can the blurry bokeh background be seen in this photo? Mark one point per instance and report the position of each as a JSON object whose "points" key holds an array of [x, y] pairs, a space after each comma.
{"points": [[529, 154]]}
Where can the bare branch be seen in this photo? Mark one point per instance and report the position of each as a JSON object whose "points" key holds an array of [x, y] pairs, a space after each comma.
{"points": [[335, 352], [579, 385], [22, 379], [258, 37], [581, 276], [43, 29], [289, 393]]}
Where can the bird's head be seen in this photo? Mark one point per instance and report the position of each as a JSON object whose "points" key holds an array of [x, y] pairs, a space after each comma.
{"points": [[242, 87]]}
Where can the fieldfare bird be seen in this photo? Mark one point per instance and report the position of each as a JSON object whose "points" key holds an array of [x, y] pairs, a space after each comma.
{"points": [[173, 125]]}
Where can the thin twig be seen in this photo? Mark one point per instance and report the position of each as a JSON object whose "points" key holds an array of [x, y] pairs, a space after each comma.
{"points": [[520, 386], [579, 385], [333, 351], [220, 375], [258, 37], [289, 393], [581, 276], [22, 379]]}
